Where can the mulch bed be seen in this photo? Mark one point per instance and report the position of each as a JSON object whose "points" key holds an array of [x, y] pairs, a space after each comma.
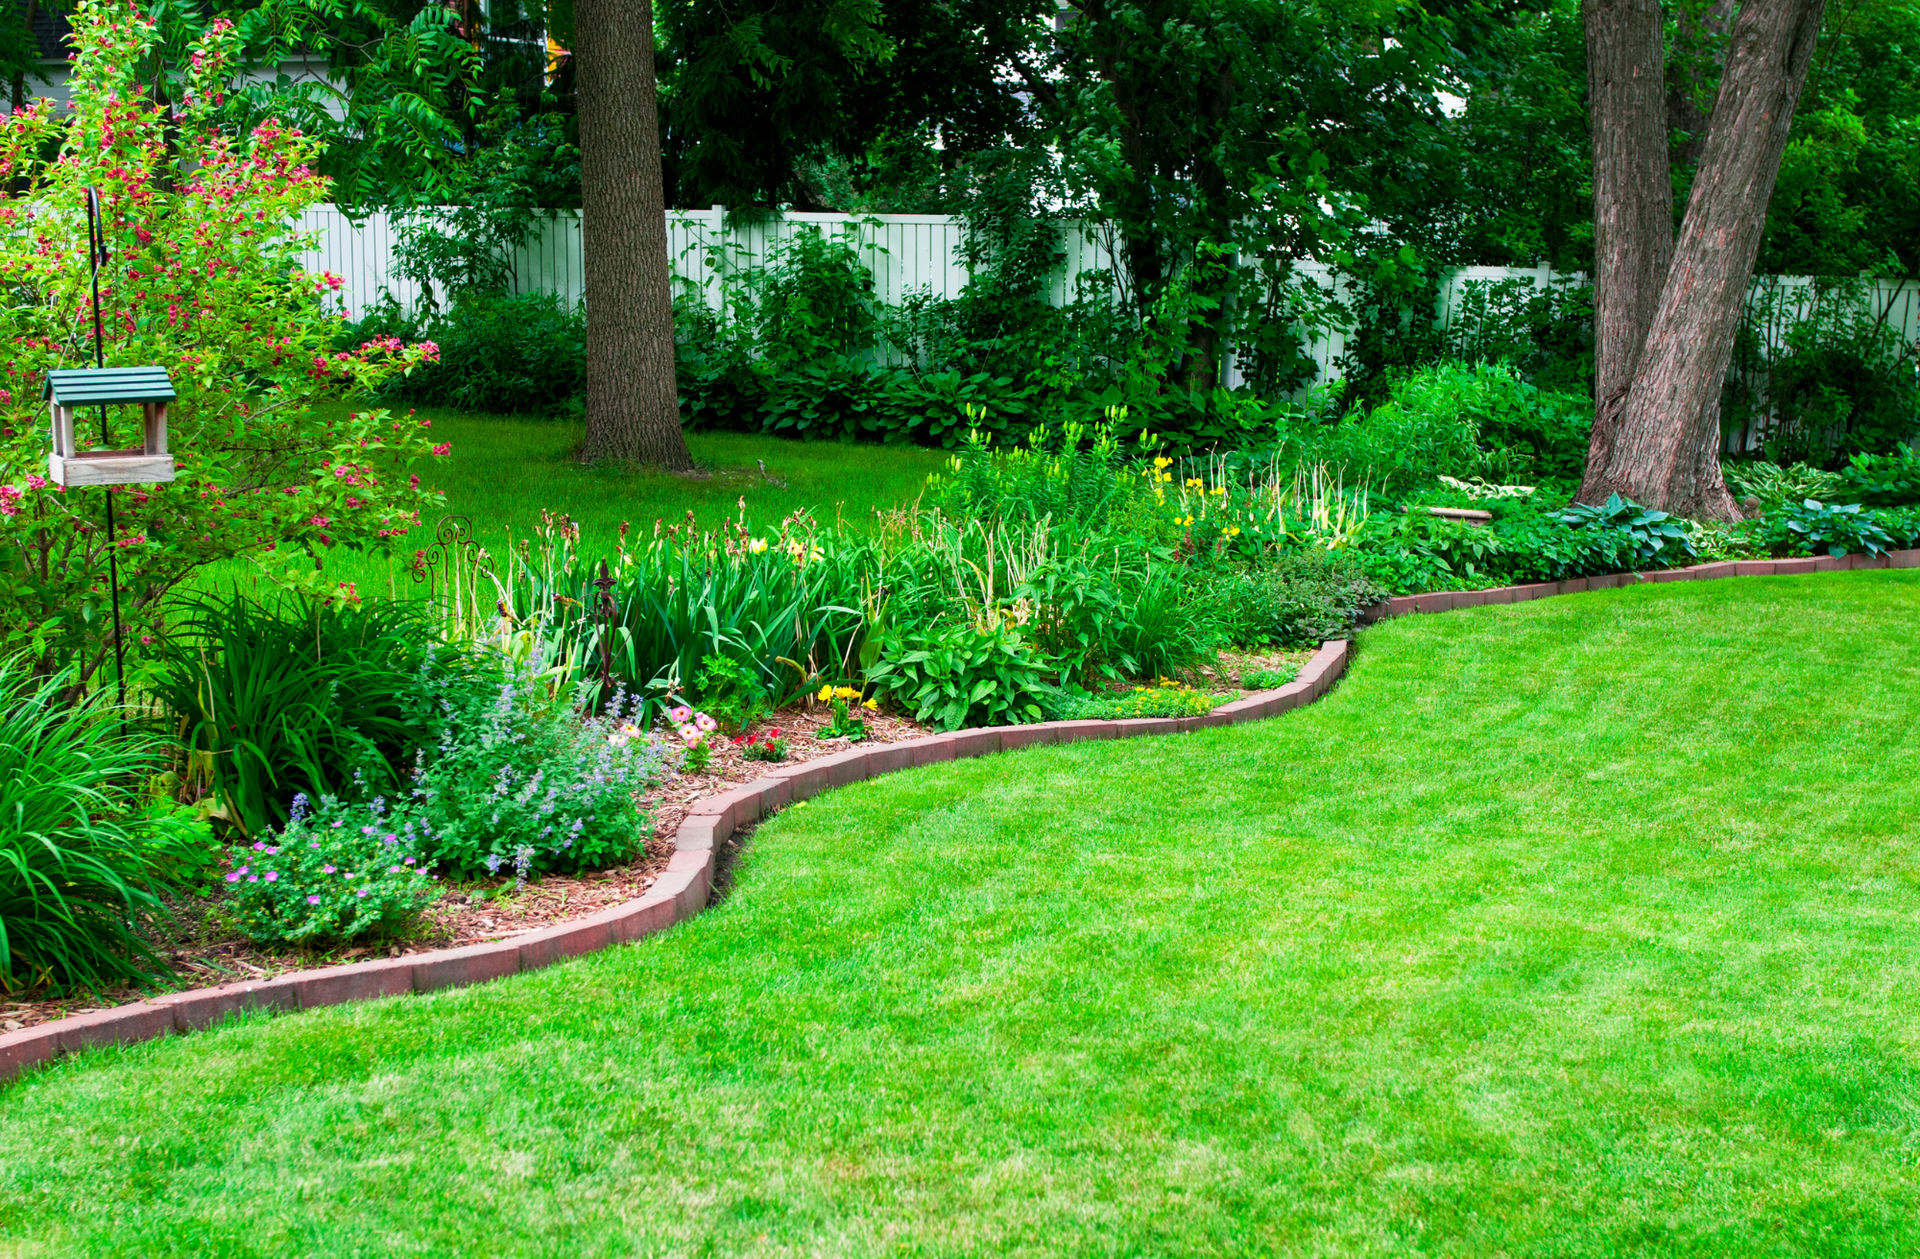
{"points": [[200, 955]]}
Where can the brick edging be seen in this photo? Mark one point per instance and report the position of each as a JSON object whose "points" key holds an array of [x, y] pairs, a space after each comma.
{"points": [[676, 896], [1447, 600]]}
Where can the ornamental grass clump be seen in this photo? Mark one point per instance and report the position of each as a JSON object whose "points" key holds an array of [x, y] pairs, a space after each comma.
{"points": [[81, 861], [336, 873]]}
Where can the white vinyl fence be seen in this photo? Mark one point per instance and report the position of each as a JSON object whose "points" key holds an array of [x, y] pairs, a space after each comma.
{"points": [[911, 253]]}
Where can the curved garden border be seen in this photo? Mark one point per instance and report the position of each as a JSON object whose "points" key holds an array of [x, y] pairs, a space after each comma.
{"points": [[684, 889]]}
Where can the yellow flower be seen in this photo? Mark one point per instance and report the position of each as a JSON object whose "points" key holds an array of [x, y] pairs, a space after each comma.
{"points": [[1163, 462], [1166, 476], [826, 693], [845, 692], [872, 705], [757, 545], [1231, 531], [1195, 483], [1219, 489]]}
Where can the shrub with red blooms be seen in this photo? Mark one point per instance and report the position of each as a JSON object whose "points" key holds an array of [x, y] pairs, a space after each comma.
{"points": [[201, 276]]}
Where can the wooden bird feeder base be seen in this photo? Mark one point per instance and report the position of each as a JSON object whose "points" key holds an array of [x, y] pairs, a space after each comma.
{"points": [[109, 467]]}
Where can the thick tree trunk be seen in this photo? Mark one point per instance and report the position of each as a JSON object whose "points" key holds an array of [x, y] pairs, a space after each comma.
{"points": [[633, 403], [1632, 195], [1665, 450]]}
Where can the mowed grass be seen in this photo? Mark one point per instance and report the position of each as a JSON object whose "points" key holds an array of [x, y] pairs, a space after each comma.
{"points": [[1586, 927], [503, 471]]}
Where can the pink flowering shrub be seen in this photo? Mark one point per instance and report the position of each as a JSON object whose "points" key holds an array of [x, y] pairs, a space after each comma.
{"points": [[201, 277]]}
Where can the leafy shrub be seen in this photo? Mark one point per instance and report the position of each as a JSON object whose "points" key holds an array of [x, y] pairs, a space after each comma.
{"points": [[333, 874], [961, 675], [1461, 422], [520, 777], [733, 695], [1901, 524], [1881, 480], [1811, 526], [80, 862], [283, 695], [503, 354], [1268, 679], [1169, 699], [1294, 598], [1819, 374]]}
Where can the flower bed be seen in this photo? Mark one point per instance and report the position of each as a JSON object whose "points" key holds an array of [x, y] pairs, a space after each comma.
{"points": [[487, 910]]}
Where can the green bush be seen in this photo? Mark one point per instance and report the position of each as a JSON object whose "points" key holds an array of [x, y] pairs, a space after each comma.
{"points": [[1458, 421], [1658, 540], [81, 859], [1811, 527], [961, 675], [1881, 480], [1269, 679], [1295, 598], [500, 353]]}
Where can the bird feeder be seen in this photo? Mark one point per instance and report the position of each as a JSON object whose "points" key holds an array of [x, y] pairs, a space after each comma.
{"points": [[69, 389]]}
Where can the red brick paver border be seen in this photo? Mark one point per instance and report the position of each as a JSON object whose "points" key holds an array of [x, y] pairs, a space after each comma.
{"points": [[679, 894]]}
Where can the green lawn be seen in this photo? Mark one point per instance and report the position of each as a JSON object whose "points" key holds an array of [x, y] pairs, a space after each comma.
{"points": [[504, 470], [1586, 927]]}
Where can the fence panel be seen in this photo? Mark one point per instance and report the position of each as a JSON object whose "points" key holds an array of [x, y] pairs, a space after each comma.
{"points": [[910, 253]]}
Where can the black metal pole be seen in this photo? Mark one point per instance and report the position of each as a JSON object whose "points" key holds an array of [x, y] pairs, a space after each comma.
{"points": [[96, 244]]}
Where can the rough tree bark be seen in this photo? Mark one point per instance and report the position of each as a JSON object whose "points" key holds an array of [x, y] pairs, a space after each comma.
{"points": [[1665, 444], [633, 403], [1632, 195]]}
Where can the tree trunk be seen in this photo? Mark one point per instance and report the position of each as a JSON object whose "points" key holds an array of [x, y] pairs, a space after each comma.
{"points": [[1632, 195], [633, 402], [1665, 450]]}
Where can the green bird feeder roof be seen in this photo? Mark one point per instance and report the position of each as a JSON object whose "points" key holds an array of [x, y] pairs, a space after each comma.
{"points": [[95, 386]]}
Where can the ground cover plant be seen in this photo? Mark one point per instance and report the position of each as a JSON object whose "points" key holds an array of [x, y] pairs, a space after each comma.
{"points": [[1624, 972]]}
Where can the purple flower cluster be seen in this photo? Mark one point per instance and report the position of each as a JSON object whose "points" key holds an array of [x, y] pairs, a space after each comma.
{"points": [[337, 871]]}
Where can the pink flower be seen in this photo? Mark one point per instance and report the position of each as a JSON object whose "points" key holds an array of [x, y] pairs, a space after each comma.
{"points": [[273, 876], [443, 448], [313, 900]]}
